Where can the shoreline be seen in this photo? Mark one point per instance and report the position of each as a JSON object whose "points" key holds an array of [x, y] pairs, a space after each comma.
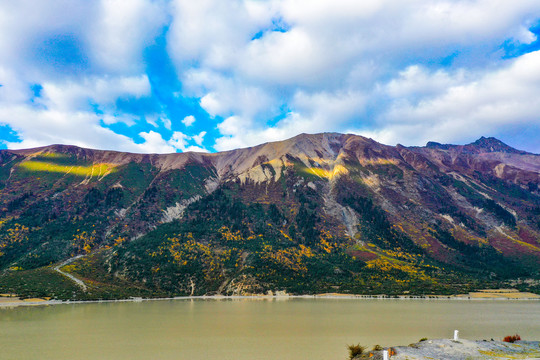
{"points": [[43, 302]]}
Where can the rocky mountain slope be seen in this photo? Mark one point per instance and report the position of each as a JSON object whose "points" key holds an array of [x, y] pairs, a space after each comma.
{"points": [[315, 213]]}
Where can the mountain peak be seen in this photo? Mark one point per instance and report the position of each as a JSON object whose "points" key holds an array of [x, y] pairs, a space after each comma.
{"points": [[436, 145], [483, 144], [492, 144]]}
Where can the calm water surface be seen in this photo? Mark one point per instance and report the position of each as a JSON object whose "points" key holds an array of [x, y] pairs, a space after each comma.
{"points": [[250, 329]]}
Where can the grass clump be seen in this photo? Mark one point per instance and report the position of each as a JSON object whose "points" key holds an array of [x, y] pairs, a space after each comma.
{"points": [[355, 350], [422, 339], [377, 348]]}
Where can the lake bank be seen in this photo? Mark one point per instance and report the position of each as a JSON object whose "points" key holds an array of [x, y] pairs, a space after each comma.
{"points": [[7, 300]]}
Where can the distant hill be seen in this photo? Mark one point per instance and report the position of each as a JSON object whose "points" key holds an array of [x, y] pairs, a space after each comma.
{"points": [[314, 213]]}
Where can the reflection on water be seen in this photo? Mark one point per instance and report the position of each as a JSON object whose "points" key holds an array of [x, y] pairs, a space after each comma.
{"points": [[250, 329]]}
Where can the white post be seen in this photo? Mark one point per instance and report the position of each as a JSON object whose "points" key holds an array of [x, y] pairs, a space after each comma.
{"points": [[385, 355], [456, 335]]}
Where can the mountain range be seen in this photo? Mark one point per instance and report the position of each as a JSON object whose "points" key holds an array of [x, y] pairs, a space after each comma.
{"points": [[315, 213]]}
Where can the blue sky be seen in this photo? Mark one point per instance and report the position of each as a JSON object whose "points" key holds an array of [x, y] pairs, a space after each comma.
{"points": [[209, 75]]}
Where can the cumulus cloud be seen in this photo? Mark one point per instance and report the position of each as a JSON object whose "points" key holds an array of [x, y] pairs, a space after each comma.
{"points": [[104, 91], [337, 65], [154, 142], [39, 127], [122, 30], [199, 138], [443, 106], [188, 120], [214, 31], [167, 123], [65, 65], [26, 25], [63, 114], [398, 71]]}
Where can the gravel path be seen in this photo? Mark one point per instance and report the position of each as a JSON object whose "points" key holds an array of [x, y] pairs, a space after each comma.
{"points": [[69, 261]]}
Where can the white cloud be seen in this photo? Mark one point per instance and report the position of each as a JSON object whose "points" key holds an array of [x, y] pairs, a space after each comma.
{"points": [[63, 113], [104, 91], [199, 138], [468, 105], [123, 28], [415, 82], [39, 127], [214, 31], [311, 113], [179, 141], [127, 119], [13, 89], [25, 24], [166, 121], [395, 69], [195, 149], [230, 97], [331, 60], [154, 143], [188, 120]]}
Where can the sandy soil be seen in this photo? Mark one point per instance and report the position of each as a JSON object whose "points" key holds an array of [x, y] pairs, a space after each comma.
{"points": [[501, 294]]}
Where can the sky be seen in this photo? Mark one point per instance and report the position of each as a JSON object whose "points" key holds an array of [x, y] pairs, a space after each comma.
{"points": [[158, 76]]}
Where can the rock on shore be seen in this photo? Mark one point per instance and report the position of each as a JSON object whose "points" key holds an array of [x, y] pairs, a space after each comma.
{"points": [[461, 350]]}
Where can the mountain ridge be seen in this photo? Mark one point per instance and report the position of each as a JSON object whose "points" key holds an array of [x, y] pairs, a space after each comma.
{"points": [[392, 218], [223, 159]]}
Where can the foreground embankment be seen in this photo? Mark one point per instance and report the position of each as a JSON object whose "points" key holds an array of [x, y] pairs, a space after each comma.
{"points": [[459, 350]]}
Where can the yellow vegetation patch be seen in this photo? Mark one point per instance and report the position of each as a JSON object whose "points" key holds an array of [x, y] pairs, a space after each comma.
{"points": [[365, 162], [228, 235], [387, 266], [49, 155], [193, 253], [119, 240], [326, 241], [328, 174], [517, 241], [90, 170], [524, 244], [460, 234], [496, 294], [34, 300], [291, 258], [372, 181], [83, 241], [506, 355], [17, 234]]}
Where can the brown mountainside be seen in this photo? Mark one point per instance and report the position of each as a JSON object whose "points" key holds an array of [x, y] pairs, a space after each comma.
{"points": [[471, 208]]}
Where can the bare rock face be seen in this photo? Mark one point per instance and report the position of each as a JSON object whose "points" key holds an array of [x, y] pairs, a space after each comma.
{"points": [[177, 211]]}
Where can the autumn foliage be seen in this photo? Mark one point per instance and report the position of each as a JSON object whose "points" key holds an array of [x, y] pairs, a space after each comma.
{"points": [[512, 338]]}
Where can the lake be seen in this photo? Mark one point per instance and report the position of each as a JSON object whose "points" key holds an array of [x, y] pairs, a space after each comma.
{"points": [[250, 329]]}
